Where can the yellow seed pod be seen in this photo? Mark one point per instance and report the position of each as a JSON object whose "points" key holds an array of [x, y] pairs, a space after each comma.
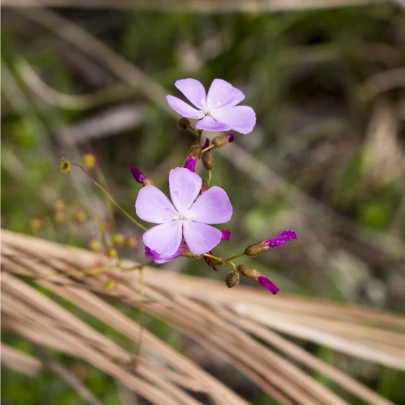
{"points": [[118, 239], [95, 245], [80, 216], [65, 165], [112, 252]]}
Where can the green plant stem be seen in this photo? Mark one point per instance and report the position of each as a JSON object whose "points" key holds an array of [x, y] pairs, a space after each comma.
{"points": [[111, 199], [208, 148]]}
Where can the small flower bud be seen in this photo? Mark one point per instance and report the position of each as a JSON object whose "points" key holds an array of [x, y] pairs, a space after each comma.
{"points": [[231, 279], [222, 140], [137, 174], [59, 205], [36, 224], [190, 163], [95, 245], [89, 161], [208, 160], [183, 123], [112, 252], [248, 271], [226, 234], [131, 242], [80, 216], [118, 239], [256, 249], [65, 165]]}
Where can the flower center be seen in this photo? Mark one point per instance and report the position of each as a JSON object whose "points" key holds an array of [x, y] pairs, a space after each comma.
{"points": [[207, 107], [183, 215]]}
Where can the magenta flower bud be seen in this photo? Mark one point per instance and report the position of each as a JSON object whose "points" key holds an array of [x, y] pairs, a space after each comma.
{"points": [[190, 163], [253, 274], [284, 237], [259, 248], [267, 284], [137, 174], [231, 137], [226, 234]]}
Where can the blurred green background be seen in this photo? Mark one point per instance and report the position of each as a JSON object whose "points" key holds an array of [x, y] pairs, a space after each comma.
{"points": [[326, 158]]}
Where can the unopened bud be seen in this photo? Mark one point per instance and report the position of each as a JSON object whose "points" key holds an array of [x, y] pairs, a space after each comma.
{"points": [[190, 163], [137, 174], [222, 140], [131, 242], [257, 249], [65, 166], [183, 123], [231, 279], [89, 161], [208, 160], [95, 245], [248, 271], [118, 239]]}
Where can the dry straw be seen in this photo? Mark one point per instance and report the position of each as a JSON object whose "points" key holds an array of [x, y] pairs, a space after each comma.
{"points": [[244, 326]]}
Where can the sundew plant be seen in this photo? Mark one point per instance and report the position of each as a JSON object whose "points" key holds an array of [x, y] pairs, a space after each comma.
{"points": [[183, 224]]}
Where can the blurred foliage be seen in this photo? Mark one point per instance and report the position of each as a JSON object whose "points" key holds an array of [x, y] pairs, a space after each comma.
{"points": [[304, 73]]}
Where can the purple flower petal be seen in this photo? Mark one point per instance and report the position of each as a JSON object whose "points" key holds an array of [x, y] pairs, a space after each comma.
{"points": [[224, 93], [201, 238], [241, 118], [165, 238], [153, 206], [267, 284], [212, 207], [284, 237], [193, 90], [226, 234], [209, 124], [184, 187], [158, 258], [183, 108]]}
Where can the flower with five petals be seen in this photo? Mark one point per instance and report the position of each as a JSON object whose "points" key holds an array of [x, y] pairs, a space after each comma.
{"points": [[217, 110], [187, 215]]}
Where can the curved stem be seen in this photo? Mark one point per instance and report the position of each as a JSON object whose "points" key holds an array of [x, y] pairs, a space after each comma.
{"points": [[111, 198], [208, 148]]}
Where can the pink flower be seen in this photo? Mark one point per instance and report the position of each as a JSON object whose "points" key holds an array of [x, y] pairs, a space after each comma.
{"points": [[216, 111], [267, 284], [188, 215]]}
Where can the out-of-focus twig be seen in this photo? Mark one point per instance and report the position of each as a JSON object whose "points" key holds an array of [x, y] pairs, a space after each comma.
{"points": [[383, 81], [197, 6], [68, 101]]}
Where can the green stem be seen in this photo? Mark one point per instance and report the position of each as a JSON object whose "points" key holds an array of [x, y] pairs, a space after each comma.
{"points": [[208, 148], [111, 198], [209, 176], [234, 257]]}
